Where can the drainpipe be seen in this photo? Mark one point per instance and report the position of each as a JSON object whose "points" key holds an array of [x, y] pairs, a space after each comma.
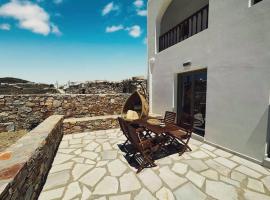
{"points": [[150, 81]]}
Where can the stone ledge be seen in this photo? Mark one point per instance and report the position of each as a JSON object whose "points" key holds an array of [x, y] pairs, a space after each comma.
{"points": [[78, 125], [24, 166]]}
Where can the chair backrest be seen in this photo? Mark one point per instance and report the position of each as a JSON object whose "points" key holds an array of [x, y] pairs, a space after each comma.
{"points": [[134, 137], [170, 117], [186, 121], [124, 127]]}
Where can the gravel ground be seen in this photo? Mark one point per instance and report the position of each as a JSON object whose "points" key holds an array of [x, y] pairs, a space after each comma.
{"points": [[9, 138]]}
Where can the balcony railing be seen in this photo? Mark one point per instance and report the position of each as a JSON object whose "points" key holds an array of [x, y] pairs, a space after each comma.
{"points": [[187, 28]]}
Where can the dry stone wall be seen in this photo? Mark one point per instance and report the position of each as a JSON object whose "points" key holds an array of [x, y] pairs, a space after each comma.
{"points": [[27, 111], [25, 165], [78, 125], [103, 87]]}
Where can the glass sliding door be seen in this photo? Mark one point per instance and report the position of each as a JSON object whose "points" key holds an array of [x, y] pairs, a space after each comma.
{"points": [[192, 88]]}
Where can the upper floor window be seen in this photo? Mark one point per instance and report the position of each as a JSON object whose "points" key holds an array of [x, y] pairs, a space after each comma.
{"points": [[254, 2], [191, 25]]}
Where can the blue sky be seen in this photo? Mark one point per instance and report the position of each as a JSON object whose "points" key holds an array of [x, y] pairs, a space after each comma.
{"points": [[77, 40]]}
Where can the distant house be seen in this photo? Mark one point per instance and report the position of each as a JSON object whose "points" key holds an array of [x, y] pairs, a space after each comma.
{"points": [[211, 59]]}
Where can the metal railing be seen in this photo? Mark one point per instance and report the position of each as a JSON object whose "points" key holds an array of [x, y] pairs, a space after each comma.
{"points": [[187, 28]]}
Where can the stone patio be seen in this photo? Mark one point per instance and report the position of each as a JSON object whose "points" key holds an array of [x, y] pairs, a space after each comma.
{"points": [[91, 166]]}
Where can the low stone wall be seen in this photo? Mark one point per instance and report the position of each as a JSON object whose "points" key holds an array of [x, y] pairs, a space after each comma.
{"points": [[27, 111], [77, 125], [25, 165]]}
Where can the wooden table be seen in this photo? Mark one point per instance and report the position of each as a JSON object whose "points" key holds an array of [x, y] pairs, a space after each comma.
{"points": [[157, 129], [165, 133]]}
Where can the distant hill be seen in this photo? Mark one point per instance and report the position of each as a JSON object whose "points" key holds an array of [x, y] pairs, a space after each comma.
{"points": [[15, 86], [11, 80]]}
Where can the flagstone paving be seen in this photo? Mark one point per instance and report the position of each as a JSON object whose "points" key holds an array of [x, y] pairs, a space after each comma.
{"points": [[91, 166]]}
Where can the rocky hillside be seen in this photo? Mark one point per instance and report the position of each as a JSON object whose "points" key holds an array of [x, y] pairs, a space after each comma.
{"points": [[15, 86], [11, 80]]}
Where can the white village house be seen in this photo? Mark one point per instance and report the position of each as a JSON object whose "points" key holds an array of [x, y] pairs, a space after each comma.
{"points": [[211, 59]]}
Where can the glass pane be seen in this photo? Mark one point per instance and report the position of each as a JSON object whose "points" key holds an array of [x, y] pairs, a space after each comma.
{"points": [[199, 107], [186, 94]]}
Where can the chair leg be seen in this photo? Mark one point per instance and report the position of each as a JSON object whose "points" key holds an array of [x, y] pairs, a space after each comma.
{"points": [[145, 162], [149, 160], [139, 170], [189, 148], [126, 142], [142, 166], [186, 144]]}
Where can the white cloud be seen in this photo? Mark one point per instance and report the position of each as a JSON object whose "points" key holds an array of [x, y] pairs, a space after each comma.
{"points": [[30, 16], [134, 31], [5, 27], [112, 29], [55, 30], [142, 12], [109, 8], [138, 3]]}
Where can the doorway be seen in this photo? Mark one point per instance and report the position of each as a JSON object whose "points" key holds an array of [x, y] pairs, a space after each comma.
{"points": [[191, 98]]}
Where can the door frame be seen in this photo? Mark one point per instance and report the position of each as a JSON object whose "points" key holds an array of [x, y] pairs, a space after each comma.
{"points": [[179, 89]]}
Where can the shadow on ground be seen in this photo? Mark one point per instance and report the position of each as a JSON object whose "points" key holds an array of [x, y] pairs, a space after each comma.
{"points": [[134, 161]]}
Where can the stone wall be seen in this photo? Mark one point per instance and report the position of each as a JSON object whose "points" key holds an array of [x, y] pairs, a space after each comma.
{"points": [[105, 87], [27, 111], [25, 165], [78, 125]]}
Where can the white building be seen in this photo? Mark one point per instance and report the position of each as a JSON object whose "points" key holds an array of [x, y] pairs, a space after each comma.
{"points": [[211, 58]]}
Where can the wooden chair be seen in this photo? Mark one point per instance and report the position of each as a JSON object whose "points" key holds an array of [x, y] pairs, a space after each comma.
{"points": [[184, 133], [170, 117], [145, 148], [123, 126]]}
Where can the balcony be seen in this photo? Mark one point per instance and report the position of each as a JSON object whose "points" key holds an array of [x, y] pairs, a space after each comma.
{"points": [[192, 25]]}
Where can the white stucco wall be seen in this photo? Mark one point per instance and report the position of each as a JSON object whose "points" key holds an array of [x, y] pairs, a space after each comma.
{"points": [[236, 51]]}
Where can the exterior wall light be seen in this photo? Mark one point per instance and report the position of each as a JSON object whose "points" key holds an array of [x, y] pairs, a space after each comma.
{"points": [[152, 64], [187, 63]]}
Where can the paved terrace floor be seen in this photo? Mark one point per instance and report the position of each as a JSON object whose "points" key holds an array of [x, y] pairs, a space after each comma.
{"points": [[91, 166]]}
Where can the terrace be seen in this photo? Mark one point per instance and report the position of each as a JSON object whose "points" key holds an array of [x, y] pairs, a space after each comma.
{"points": [[83, 158], [74, 155], [90, 165]]}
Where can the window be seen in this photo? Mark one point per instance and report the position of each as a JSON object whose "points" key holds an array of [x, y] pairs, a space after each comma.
{"points": [[256, 1], [252, 2], [192, 25]]}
